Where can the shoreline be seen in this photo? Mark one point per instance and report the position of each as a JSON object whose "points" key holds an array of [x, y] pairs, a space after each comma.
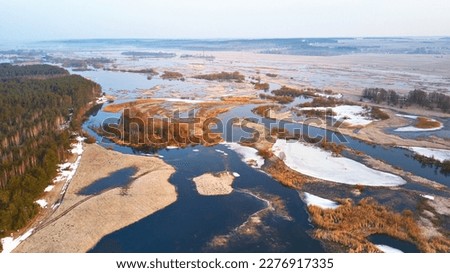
{"points": [[81, 221]]}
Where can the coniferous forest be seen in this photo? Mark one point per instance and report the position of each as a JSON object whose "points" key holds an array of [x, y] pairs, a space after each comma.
{"points": [[40, 105]]}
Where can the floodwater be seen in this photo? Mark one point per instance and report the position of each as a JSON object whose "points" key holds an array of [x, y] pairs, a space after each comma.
{"points": [[243, 221]]}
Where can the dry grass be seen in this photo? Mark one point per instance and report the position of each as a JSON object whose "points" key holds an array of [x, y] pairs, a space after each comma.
{"points": [[322, 102], [351, 224], [236, 99], [279, 132], [292, 92], [117, 107], [427, 123], [262, 86], [142, 130], [169, 75], [264, 110], [285, 175], [279, 99], [335, 149], [222, 76], [315, 113]]}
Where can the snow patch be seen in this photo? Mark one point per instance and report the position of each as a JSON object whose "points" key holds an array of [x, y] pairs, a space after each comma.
{"points": [[42, 203], [9, 243], [388, 249], [312, 161], [66, 171], [49, 188], [314, 200], [407, 116], [353, 115], [248, 155], [415, 129], [183, 100], [334, 96], [101, 100], [426, 196], [438, 154]]}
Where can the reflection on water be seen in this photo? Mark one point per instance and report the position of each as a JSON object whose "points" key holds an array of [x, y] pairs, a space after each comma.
{"points": [[404, 246]]}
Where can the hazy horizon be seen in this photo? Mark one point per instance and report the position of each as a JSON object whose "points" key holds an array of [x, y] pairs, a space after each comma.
{"points": [[51, 20]]}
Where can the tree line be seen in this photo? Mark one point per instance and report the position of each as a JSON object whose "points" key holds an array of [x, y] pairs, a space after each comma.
{"points": [[9, 71], [430, 100], [33, 106]]}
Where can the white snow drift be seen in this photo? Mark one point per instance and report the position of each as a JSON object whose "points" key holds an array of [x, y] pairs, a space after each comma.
{"points": [[353, 115], [311, 199], [313, 161], [438, 154]]}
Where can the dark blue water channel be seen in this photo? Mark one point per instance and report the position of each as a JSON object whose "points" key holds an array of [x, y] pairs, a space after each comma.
{"points": [[404, 246], [190, 224], [395, 156]]}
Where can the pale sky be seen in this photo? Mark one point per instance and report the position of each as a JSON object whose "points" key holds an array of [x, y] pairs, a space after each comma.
{"points": [[77, 19]]}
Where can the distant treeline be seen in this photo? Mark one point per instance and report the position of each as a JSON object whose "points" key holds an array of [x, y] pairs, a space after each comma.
{"points": [[149, 54], [222, 76], [32, 140], [419, 97], [8, 71]]}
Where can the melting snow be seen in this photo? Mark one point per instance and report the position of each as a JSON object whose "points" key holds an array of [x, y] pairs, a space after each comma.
{"points": [[353, 115], [438, 154], [248, 155], [313, 161], [9, 243], [430, 197], [41, 202], [407, 116], [335, 96], [320, 202], [388, 249], [49, 188]]}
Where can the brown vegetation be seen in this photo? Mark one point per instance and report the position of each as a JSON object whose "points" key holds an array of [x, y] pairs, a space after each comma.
{"points": [[316, 113], [322, 102], [279, 132], [377, 113], [279, 99], [264, 110], [292, 92], [285, 175], [117, 107], [350, 225], [335, 149], [141, 129], [169, 75], [262, 86], [222, 76], [427, 123]]}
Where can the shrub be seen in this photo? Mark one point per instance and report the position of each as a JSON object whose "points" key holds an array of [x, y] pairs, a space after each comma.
{"points": [[168, 75]]}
